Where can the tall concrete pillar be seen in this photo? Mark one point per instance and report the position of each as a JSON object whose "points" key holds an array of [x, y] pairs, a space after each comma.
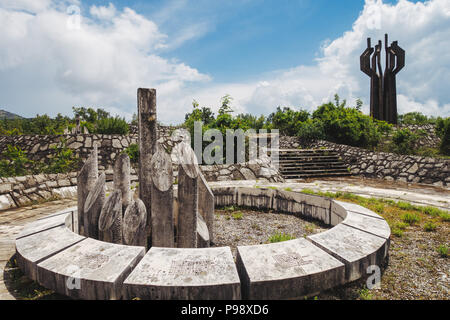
{"points": [[147, 143]]}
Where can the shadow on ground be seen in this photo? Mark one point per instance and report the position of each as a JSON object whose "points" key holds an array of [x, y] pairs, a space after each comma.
{"points": [[23, 288]]}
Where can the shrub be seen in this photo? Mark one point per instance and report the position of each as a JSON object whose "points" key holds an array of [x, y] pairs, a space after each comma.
{"points": [[310, 130], [414, 118], [443, 131], [286, 120], [280, 237], [133, 152], [62, 161], [15, 162], [349, 125], [404, 141], [115, 125]]}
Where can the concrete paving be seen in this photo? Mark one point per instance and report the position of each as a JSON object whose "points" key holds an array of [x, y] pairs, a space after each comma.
{"points": [[415, 193]]}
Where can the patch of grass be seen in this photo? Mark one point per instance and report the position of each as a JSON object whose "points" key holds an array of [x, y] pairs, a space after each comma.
{"points": [[397, 232], [310, 228], [443, 251], [379, 208], [429, 226], [308, 191], [445, 216], [288, 189], [280, 237], [237, 215], [273, 188], [365, 294], [400, 225], [405, 205], [410, 218], [230, 208], [432, 211]]}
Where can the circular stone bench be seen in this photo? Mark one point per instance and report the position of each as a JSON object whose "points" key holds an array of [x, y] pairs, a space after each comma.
{"points": [[49, 252]]}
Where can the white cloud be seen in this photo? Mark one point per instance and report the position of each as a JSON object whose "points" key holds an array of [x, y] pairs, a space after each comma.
{"points": [[46, 68], [422, 29], [101, 64], [103, 12]]}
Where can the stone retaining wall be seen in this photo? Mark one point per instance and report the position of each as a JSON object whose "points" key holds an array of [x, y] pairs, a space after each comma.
{"points": [[389, 166], [392, 166], [27, 190], [39, 147]]}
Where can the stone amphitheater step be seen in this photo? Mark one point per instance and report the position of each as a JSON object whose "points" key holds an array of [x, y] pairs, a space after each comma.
{"points": [[295, 164]]}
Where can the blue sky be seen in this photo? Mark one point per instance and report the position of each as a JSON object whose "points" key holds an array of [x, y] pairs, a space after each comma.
{"points": [[246, 38], [296, 53]]}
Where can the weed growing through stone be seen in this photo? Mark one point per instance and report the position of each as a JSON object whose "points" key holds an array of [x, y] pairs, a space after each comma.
{"points": [[405, 205], [429, 226], [443, 251], [365, 294], [410, 218], [237, 215], [397, 232]]}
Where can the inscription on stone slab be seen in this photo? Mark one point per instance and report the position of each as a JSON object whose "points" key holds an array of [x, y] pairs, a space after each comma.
{"points": [[181, 273], [289, 269], [99, 266], [291, 260]]}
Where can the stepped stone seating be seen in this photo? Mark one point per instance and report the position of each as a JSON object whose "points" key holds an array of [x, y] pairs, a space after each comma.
{"points": [[299, 163]]}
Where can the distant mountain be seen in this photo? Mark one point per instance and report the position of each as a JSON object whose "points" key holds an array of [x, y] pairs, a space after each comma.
{"points": [[8, 115]]}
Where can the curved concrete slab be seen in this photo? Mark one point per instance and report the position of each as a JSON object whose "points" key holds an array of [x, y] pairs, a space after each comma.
{"points": [[90, 269], [355, 248], [286, 270], [37, 247], [184, 274]]}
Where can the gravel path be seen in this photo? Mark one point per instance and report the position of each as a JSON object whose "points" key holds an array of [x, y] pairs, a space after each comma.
{"points": [[257, 227]]}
